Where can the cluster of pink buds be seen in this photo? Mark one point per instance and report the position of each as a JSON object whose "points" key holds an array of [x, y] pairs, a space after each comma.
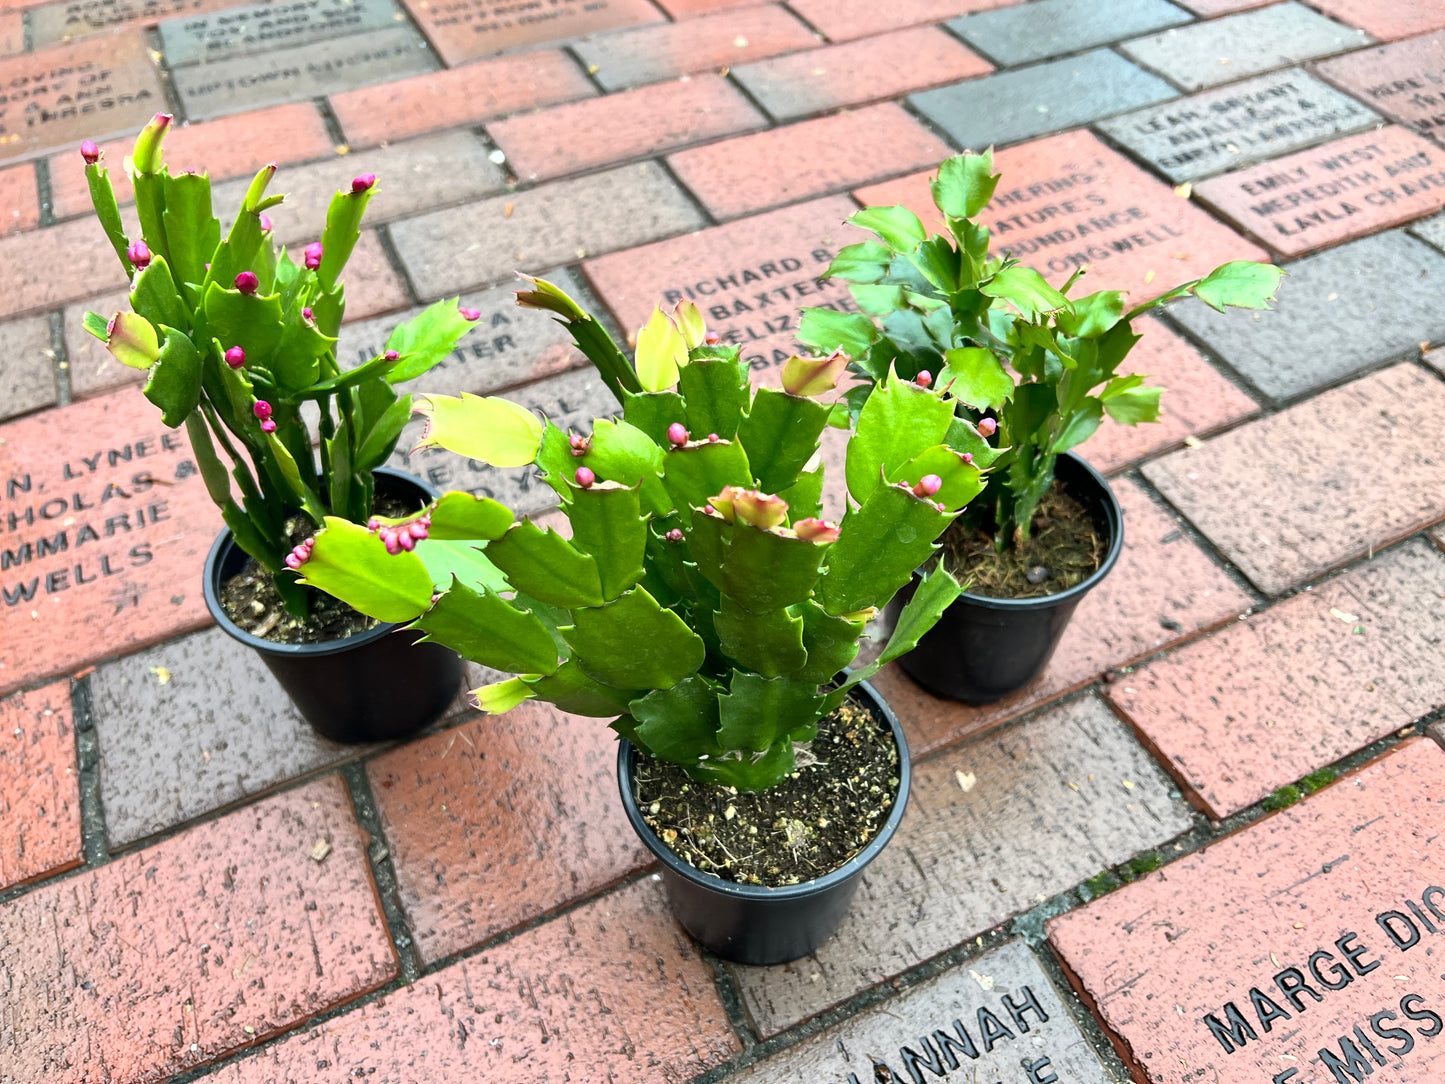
{"points": [[673, 535], [404, 536], [139, 254], [924, 379], [987, 427], [470, 314], [262, 410], [586, 478], [677, 435], [313, 255], [300, 555], [579, 443], [362, 183], [248, 283], [90, 152], [235, 357]]}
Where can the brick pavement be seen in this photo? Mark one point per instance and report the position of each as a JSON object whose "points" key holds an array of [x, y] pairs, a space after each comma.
{"points": [[482, 909]]}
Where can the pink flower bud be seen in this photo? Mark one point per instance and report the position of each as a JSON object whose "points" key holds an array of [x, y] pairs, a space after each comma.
{"points": [[967, 457], [469, 314], [816, 530], [293, 562], [673, 535], [139, 254], [373, 524], [314, 253], [924, 379], [392, 355], [235, 357], [418, 530], [580, 444], [676, 435], [762, 510], [268, 426], [261, 409], [248, 283], [928, 485], [987, 427], [308, 315], [90, 152], [266, 225], [585, 478], [712, 338], [713, 438], [362, 183], [405, 540], [941, 506]]}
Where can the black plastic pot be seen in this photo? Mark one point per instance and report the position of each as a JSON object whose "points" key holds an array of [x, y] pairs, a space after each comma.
{"points": [[375, 686], [752, 924], [983, 649]]}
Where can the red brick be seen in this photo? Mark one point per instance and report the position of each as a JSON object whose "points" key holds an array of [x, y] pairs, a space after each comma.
{"points": [[1281, 501], [39, 786], [614, 990], [1400, 80], [19, 199], [500, 820], [173, 956], [12, 33], [463, 96], [1045, 808], [235, 146], [1163, 590], [653, 53], [1267, 701], [633, 124], [43, 269], [812, 158], [372, 286], [862, 71], [1147, 240], [1197, 400], [134, 586], [1157, 956], [843, 20], [463, 30], [1388, 22], [20, 5], [1333, 193], [686, 9]]}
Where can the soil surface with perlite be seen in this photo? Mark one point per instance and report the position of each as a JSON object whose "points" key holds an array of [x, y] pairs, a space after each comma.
{"points": [[808, 825], [1064, 549]]}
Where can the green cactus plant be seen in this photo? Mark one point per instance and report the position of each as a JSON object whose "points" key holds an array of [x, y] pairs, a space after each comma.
{"points": [[700, 602], [1022, 359], [236, 338]]}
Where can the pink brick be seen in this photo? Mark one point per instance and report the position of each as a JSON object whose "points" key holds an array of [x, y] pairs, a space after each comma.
{"points": [[686, 9], [1264, 702], [461, 96], [39, 786], [712, 42], [632, 124], [500, 820], [869, 70], [12, 33], [19, 199], [43, 269], [1163, 590], [1388, 21], [755, 172], [372, 286], [1157, 957], [843, 20], [174, 956], [612, 991], [461, 31], [235, 146], [1197, 400]]}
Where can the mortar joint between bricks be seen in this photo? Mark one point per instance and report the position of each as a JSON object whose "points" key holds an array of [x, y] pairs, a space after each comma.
{"points": [[174, 105], [571, 53], [60, 359], [87, 759], [383, 871], [1118, 48], [398, 266], [44, 192], [708, 219], [330, 122]]}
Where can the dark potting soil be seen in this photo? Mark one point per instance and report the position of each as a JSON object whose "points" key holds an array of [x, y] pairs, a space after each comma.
{"points": [[250, 598], [808, 825], [1064, 549]]}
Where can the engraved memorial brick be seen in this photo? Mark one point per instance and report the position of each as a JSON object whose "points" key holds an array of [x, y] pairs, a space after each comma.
{"points": [[1387, 19], [67, 20], [1405, 81], [1234, 126], [464, 30], [1344, 189], [307, 71], [259, 28], [92, 90]]}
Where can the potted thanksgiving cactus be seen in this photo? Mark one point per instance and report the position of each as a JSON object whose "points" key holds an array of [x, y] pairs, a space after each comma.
{"points": [[1032, 373], [700, 603], [239, 342]]}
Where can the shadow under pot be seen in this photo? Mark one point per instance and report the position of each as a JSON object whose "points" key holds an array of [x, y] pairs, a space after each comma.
{"points": [[982, 649], [755, 924], [378, 685]]}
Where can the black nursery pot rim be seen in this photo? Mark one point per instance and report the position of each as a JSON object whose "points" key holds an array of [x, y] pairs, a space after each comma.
{"points": [[211, 585], [1084, 586], [627, 755]]}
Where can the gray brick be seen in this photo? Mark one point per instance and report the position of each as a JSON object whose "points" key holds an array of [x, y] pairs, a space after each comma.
{"points": [[1238, 125], [1042, 1036], [1017, 35], [260, 28], [544, 227], [1431, 229], [1046, 807], [1223, 50], [1017, 105], [1339, 312], [308, 71], [27, 366]]}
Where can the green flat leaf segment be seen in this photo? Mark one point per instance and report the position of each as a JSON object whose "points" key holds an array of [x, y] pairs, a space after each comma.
{"points": [[770, 643], [780, 434], [758, 712], [492, 430], [679, 724], [547, 567], [898, 422], [608, 525], [633, 643], [483, 627], [700, 471], [461, 517], [879, 546], [350, 562]]}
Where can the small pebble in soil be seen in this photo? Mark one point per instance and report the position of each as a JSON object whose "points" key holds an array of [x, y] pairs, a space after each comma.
{"points": [[1037, 574]]}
